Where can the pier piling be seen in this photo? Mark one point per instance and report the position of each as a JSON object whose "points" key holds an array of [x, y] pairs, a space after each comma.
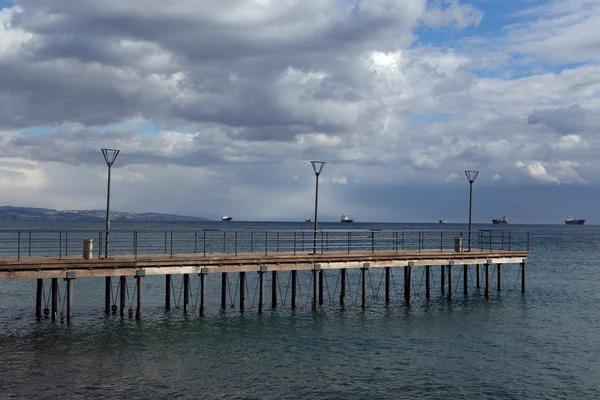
{"points": [[407, 291], [242, 295], [107, 290], [450, 292], [387, 285], [38, 298], [139, 275], [223, 290], [186, 293], [54, 309], [261, 291], [321, 279], [274, 289], [499, 277], [315, 304], [478, 277], [443, 279], [70, 277], [343, 287], [294, 287], [427, 281], [487, 280], [466, 280], [364, 270], [168, 292], [523, 266], [123, 295], [202, 293]]}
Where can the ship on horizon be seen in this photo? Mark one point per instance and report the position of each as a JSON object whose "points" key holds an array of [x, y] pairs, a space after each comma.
{"points": [[443, 221], [226, 218], [574, 221], [500, 221], [346, 218]]}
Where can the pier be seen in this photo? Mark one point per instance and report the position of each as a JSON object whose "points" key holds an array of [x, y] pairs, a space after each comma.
{"points": [[271, 254]]}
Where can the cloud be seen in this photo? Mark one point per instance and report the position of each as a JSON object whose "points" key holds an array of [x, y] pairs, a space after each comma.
{"points": [[228, 101]]}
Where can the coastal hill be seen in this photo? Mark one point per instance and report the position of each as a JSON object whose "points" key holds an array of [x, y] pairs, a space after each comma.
{"points": [[32, 213]]}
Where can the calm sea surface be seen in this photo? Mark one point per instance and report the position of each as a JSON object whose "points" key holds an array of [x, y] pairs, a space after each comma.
{"points": [[540, 345]]}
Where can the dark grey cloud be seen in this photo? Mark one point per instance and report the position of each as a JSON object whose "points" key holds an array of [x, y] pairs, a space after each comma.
{"points": [[563, 120]]}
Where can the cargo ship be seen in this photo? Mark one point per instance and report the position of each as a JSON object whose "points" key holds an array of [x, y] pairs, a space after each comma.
{"points": [[443, 221], [500, 221], [226, 218], [574, 221], [346, 218]]}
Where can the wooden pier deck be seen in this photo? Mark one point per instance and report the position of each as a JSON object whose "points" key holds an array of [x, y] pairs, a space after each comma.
{"points": [[50, 255]]}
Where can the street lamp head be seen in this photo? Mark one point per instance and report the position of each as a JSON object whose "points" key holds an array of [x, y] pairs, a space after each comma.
{"points": [[110, 155], [318, 166], [471, 175]]}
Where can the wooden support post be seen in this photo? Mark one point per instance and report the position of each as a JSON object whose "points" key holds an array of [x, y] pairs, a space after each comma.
{"points": [[450, 282], [387, 284], [427, 281], [168, 292], [443, 279], [343, 287], [242, 296], [466, 280], [274, 289], [315, 304], [404, 280], [294, 287], [499, 277], [202, 294], [364, 270], [261, 291], [223, 290], [38, 298], [321, 280], [69, 279], [407, 292], [487, 280], [478, 277], [107, 287], [54, 299], [523, 267], [139, 275], [123, 295], [186, 293]]}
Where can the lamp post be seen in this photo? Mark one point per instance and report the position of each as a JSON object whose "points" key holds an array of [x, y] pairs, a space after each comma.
{"points": [[110, 155], [471, 176], [317, 167]]}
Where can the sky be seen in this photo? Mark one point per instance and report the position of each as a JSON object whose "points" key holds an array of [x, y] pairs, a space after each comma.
{"points": [[218, 107]]}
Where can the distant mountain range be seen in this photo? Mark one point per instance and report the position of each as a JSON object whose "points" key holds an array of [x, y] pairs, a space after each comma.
{"points": [[32, 213]]}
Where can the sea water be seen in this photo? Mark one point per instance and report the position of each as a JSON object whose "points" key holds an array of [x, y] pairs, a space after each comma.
{"points": [[542, 344]]}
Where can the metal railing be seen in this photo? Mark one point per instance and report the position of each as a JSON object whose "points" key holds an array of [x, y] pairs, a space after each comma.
{"points": [[63, 243]]}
